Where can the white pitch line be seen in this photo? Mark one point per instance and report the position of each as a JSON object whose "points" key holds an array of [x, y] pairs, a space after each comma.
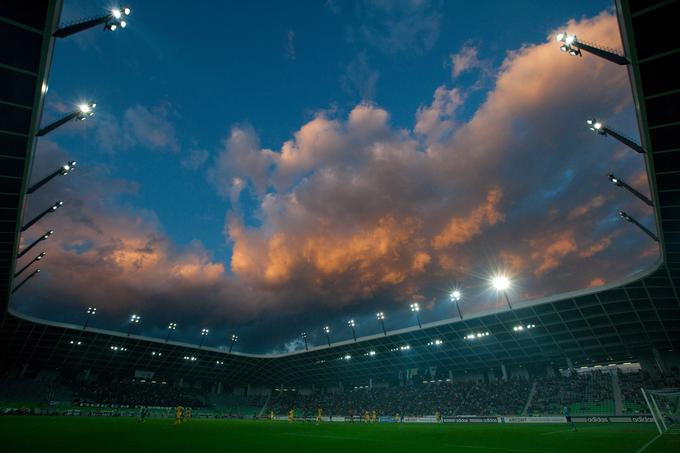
{"points": [[644, 447]]}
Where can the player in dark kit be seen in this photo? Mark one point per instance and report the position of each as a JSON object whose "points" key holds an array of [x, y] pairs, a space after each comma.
{"points": [[567, 416]]}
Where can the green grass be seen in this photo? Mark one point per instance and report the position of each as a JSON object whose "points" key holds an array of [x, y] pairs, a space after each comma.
{"points": [[68, 434]]}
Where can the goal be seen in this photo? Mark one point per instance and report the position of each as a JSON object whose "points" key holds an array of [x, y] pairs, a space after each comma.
{"points": [[664, 405]]}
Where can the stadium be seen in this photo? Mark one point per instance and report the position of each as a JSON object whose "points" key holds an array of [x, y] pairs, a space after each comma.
{"points": [[592, 365]]}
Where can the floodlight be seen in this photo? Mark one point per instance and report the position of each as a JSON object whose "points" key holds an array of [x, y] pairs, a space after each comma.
{"points": [[570, 39], [644, 229], [500, 282], [456, 295], [327, 331], [85, 110], [381, 317], [91, 310], [111, 20], [61, 171], [172, 326], [304, 337], [415, 307], [30, 276], [49, 210], [205, 332], [34, 260], [135, 319], [82, 111], [350, 323], [560, 36], [234, 338], [620, 183]]}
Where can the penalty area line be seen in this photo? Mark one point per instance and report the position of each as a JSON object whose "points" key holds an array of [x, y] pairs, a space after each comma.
{"points": [[644, 447]]}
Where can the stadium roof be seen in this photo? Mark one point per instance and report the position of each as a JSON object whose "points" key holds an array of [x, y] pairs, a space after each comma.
{"points": [[619, 323]]}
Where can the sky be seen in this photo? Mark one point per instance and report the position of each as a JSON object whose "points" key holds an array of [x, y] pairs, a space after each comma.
{"points": [[268, 168]]}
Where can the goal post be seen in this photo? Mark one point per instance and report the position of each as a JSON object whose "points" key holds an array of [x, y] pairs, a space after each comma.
{"points": [[664, 405]]}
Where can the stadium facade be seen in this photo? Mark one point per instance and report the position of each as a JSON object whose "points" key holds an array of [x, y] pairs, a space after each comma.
{"points": [[636, 320]]}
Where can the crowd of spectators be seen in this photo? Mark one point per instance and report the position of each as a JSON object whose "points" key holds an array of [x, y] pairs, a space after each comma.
{"points": [[127, 393], [631, 383], [588, 388], [447, 398], [497, 398]]}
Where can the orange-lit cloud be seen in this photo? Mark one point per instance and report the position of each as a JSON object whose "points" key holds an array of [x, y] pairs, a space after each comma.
{"points": [[352, 207]]}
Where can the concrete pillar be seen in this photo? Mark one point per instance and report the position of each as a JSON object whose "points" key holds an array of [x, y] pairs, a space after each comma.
{"points": [[504, 371]]}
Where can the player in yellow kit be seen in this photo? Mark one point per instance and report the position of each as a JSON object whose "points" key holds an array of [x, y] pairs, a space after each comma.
{"points": [[291, 415], [178, 415], [187, 413], [374, 416], [319, 414]]}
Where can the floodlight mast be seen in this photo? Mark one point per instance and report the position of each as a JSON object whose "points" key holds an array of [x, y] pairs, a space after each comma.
{"points": [[134, 319], [34, 260], [33, 274], [234, 338], [34, 243], [381, 317], [327, 331], [351, 324], [304, 337], [171, 328], [204, 333], [91, 311], [621, 183], [455, 297], [599, 128], [415, 308], [49, 210], [84, 111], [630, 219], [61, 171], [572, 45], [501, 283], [111, 22]]}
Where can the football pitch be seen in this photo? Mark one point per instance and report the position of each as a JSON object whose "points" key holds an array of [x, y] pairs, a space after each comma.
{"points": [[101, 434]]}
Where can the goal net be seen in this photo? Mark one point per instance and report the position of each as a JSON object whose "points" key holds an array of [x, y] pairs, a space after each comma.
{"points": [[664, 405]]}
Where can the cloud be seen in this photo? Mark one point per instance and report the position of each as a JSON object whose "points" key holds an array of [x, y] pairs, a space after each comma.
{"points": [[436, 121], [585, 208], [195, 159], [289, 48], [467, 59], [359, 78], [460, 230], [400, 26], [151, 127], [353, 212]]}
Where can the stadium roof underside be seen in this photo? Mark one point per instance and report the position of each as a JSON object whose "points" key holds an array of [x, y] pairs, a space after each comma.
{"points": [[618, 324]]}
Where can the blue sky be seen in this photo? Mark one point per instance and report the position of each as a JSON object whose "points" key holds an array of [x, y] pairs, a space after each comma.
{"points": [[199, 146]]}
